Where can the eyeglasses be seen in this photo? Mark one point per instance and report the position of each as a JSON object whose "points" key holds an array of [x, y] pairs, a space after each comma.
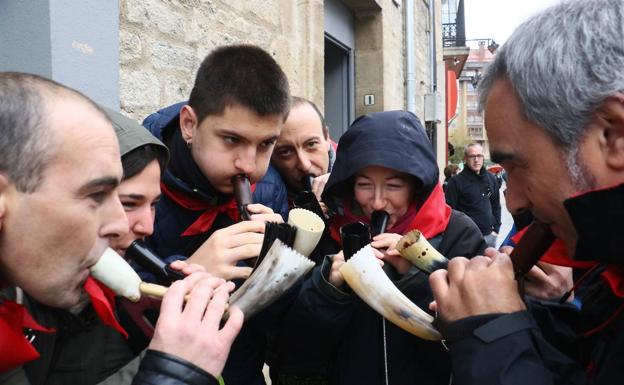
{"points": [[473, 157]]}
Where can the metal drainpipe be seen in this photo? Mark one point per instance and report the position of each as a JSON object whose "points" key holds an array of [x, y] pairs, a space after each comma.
{"points": [[432, 47], [409, 51], [433, 84]]}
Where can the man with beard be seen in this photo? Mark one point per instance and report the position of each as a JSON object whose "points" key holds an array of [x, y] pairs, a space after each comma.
{"points": [[554, 114]]}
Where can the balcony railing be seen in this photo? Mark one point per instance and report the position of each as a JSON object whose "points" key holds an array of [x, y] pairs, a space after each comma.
{"points": [[475, 132], [452, 36]]}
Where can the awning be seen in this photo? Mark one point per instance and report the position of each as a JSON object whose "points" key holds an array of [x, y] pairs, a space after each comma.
{"points": [[451, 96]]}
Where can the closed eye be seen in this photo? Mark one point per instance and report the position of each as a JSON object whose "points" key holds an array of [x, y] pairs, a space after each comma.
{"points": [[99, 196], [268, 143], [231, 139], [284, 152]]}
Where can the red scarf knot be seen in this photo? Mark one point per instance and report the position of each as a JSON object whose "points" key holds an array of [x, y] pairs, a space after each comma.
{"points": [[210, 211], [103, 300], [15, 349]]}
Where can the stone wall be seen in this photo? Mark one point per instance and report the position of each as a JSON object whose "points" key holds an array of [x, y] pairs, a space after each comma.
{"points": [[162, 43]]}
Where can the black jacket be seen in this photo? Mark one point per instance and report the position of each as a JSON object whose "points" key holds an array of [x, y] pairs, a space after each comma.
{"points": [[477, 196], [82, 350], [329, 331], [553, 344], [158, 368]]}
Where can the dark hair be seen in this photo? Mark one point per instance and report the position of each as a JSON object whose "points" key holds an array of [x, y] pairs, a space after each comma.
{"points": [[241, 74], [136, 160], [450, 170], [296, 101], [25, 144]]}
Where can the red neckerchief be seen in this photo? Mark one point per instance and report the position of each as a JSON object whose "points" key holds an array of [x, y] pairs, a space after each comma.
{"points": [[205, 220], [557, 255], [15, 350], [431, 219], [103, 300]]}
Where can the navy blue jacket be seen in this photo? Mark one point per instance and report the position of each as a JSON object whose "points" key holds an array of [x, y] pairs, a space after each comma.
{"points": [[244, 365]]}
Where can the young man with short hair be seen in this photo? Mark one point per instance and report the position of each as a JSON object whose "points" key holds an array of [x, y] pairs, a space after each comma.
{"points": [[234, 115]]}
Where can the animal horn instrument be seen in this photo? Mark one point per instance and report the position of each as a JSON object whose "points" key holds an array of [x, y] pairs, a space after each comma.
{"points": [[414, 247], [354, 236], [379, 222], [307, 181], [115, 273], [272, 231], [367, 279], [279, 270], [142, 255], [309, 227], [242, 194], [537, 239]]}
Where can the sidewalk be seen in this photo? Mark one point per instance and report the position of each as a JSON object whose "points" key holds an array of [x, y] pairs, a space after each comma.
{"points": [[506, 219]]}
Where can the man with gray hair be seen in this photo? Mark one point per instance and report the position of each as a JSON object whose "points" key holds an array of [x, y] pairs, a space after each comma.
{"points": [[59, 171], [554, 114], [474, 191]]}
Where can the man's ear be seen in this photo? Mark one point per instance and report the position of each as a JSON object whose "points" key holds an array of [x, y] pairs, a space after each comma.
{"points": [[188, 123], [4, 189], [610, 120]]}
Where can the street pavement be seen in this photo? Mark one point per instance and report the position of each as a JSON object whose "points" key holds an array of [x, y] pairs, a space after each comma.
{"points": [[506, 219]]}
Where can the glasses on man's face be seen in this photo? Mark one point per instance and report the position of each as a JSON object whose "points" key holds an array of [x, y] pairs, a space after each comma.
{"points": [[475, 157]]}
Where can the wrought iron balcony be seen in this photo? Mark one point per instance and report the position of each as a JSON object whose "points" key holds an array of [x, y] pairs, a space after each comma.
{"points": [[452, 36]]}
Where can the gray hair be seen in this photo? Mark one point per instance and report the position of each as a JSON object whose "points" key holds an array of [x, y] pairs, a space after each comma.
{"points": [[473, 144], [563, 63], [25, 143]]}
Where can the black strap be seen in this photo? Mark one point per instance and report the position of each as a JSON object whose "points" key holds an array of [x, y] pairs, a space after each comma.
{"points": [[488, 327], [505, 325]]}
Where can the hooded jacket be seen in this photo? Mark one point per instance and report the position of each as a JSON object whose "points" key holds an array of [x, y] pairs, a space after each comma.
{"points": [[345, 339], [246, 359]]}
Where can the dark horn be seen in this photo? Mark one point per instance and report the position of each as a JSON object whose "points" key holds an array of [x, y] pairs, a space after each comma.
{"points": [[379, 222], [147, 259], [354, 236], [242, 194]]}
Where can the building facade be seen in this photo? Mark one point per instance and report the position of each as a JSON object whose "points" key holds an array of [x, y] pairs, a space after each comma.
{"points": [[468, 126], [348, 56]]}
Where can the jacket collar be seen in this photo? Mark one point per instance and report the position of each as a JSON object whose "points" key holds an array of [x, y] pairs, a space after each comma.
{"points": [[598, 217]]}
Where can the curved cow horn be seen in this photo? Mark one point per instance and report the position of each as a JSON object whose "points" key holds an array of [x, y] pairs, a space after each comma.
{"points": [[310, 228], [279, 270], [366, 277], [414, 247]]}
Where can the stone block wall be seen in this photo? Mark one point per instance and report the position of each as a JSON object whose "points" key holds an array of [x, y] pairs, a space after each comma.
{"points": [[162, 43]]}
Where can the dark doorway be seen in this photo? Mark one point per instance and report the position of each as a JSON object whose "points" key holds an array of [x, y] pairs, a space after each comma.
{"points": [[337, 90]]}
